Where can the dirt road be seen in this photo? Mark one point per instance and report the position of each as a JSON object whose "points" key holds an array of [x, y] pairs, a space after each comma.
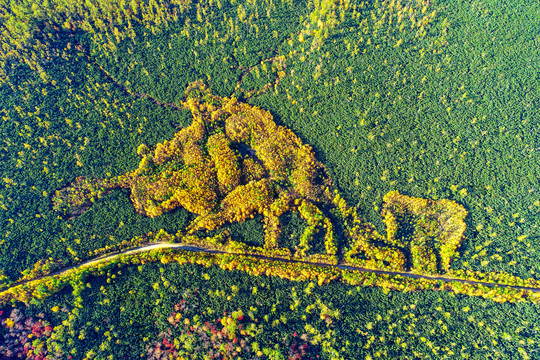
{"points": [[154, 246]]}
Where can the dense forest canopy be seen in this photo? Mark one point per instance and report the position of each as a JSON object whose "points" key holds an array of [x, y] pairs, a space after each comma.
{"points": [[436, 100]]}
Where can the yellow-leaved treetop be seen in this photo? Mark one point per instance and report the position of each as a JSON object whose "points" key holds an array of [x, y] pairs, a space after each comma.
{"points": [[234, 162]]}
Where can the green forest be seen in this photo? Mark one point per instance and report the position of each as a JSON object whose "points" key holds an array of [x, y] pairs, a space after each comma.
{"points": [[361, 176]]}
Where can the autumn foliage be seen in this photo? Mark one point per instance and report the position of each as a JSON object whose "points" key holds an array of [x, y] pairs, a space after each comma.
{"points": [[25, 337], [229, 337], [430, 230], [421, 235], [234, 162]]}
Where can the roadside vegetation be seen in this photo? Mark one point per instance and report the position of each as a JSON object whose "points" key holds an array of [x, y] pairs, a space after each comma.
{"points": [[156, 310], [402, 102]]}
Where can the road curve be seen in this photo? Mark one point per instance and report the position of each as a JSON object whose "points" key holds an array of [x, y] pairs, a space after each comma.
{"points": [[154, 246]]}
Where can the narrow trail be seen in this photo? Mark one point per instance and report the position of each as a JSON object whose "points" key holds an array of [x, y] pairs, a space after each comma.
{"points": [[177, 106], [125, 89], [154, 246]]}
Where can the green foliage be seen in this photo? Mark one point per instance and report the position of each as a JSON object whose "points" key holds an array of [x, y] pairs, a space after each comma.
{"points": [[250, 232], [437, 100], [126, 309], [430, 230]]}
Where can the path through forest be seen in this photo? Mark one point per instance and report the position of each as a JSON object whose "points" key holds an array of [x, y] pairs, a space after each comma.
{"points": [[154, 246]]}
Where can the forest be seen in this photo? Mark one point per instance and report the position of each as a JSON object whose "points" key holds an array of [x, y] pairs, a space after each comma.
{"points": [[395, 136]]}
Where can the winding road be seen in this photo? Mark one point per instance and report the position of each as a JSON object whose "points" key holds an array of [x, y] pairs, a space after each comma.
{"points": [[154, 246]]}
